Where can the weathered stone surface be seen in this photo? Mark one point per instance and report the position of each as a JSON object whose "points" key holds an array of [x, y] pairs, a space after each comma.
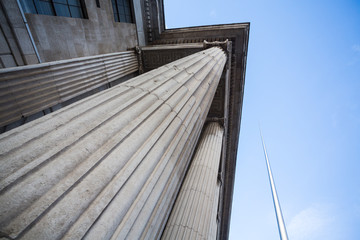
{"points": [[75, 37], [4, 47], [110, 165], [7, 60], [138, 16], [14, 30], [29, 89], [23, 39], [238, 34], [31, 59], [195, 210]]}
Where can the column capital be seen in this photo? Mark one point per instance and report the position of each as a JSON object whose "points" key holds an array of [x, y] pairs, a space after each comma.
{"points": [[219, 120], [226, 46]]}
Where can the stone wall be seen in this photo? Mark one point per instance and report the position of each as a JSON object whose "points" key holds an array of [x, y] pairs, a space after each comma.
{"points": [[16, 48], [59, 38]]}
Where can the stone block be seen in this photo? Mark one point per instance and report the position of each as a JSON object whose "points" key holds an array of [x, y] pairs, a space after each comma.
{"points": [[7, 61], [38, 32], [15, 51], [9, 36], [24, 41], [31, 59], [4, 47], [13, 13], [4, 24]]}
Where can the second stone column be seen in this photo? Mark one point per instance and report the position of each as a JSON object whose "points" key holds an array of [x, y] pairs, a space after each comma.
{"points": [[195, 210]]}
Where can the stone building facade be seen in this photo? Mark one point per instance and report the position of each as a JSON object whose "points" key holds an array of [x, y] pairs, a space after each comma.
{"points": [[115, 127]]}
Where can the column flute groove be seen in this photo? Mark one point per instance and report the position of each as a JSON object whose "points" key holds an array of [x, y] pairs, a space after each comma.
{"points": [[198, 197]]}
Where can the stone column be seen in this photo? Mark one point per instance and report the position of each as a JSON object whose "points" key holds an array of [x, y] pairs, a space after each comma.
{"points": [[194, 215], [110, 165]]}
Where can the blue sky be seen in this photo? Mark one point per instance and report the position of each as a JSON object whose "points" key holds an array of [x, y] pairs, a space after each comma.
{"points": [[303, 86]]}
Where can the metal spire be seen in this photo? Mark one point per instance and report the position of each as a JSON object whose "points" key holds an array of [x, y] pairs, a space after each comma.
{"points": [[279, 217]]}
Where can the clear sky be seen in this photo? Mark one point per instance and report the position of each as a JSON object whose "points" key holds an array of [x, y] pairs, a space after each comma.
{"points": [[303, 86]]}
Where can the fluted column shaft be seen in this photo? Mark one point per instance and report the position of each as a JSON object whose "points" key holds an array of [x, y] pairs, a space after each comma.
{"points": [[195, 210], [110, 165], [30, 89]]}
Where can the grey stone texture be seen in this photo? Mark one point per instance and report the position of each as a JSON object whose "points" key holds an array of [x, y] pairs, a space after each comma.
{"points": [[62, 38], [23, 39], [7, 60], [153, 19], [9, 12], [4, 47], [139, 13], [194, 215], [31, 59], [238, 34], [110, 165], [16, 34], [74, 37], [27, 90]]}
